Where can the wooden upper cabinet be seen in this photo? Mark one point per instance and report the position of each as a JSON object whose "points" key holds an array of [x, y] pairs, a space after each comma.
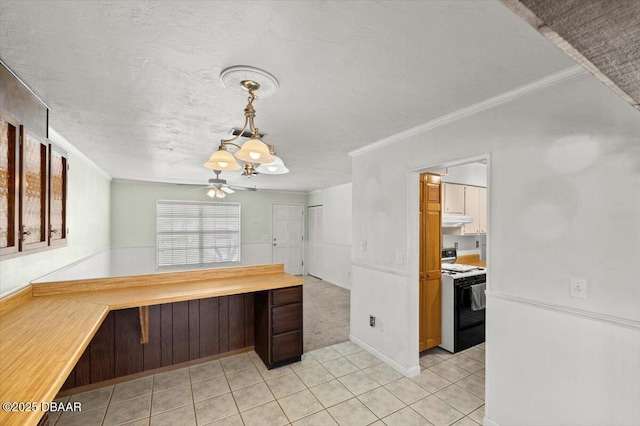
{"points": [[453, 198], [33, 232], [57, 196], [8, 186]]}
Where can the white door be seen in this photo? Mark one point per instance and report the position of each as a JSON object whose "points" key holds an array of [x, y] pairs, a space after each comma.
{"points": [[315, 253], [288, 225]]}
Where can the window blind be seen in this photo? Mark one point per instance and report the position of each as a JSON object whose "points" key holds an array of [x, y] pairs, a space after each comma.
{"points": [[197, 233]]}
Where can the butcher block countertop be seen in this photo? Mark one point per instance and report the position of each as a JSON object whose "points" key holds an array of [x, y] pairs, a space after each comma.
{"points": [[471, 259], [45, 328]]}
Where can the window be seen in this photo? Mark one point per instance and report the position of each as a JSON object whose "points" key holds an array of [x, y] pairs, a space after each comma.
{"points": [[33, 190], [197, 233]]}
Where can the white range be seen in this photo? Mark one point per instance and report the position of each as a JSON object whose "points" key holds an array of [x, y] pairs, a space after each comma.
{"points": [[463, 313]]}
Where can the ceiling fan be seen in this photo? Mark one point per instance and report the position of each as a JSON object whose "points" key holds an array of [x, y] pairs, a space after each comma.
{"points": [[218, 188]]}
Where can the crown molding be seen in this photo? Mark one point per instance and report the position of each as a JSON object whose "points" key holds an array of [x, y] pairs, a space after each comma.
{"points": [[62, 142], [476, 108]]}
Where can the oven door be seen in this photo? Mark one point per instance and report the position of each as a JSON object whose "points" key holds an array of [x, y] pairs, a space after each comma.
{"points": [[469, 329]]}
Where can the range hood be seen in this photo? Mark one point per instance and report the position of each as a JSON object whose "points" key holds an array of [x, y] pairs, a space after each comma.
{"points": [[455, 220]]}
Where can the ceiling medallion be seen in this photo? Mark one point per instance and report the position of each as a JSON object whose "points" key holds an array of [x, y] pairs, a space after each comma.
{"points": [[258, 156]]}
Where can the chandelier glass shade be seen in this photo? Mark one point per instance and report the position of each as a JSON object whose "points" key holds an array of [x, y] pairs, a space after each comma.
{"points": [[222, 160], [276, 167], [254, 151]]}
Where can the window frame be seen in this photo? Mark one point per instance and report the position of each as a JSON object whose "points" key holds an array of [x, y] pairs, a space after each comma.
{"points": [[200, 234]]}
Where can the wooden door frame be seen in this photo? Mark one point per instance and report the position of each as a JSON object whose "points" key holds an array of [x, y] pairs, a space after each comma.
{"points": [[413, 241]]}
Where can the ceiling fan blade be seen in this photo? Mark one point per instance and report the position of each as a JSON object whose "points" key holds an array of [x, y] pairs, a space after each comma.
{"points": [[245, 188], [201, 187], [227, 189]]}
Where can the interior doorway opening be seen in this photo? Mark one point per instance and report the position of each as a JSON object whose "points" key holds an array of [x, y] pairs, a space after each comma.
{"points": [[453, 217]]}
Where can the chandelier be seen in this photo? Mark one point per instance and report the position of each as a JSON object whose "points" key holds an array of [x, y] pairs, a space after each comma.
{"points": [[258, 156]]}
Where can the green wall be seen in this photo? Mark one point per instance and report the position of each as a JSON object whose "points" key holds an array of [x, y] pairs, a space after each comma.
{"points": [[133, 210]]}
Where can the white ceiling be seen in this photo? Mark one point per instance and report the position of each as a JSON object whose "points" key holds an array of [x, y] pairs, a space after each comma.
{"points": [[135, 84]]}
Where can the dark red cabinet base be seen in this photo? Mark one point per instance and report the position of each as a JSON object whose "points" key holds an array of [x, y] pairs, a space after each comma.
{"points": [[278, 326]]}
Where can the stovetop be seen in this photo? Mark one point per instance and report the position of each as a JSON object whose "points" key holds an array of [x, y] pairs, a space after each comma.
{"points": [[459, 270]]}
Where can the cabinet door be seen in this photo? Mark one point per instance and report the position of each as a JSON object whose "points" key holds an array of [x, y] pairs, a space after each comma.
{"points": [[472, 208], [483, 210], [453, 198]]}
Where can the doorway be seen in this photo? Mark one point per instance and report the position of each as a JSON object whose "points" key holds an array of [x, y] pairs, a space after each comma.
{"points": [[436, 204], [287, 236]]}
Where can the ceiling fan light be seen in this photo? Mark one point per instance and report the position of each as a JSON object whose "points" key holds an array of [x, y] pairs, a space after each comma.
{"points": [[254, 151], [211, 193], [276, 167], [220, 193], [222, 160]]}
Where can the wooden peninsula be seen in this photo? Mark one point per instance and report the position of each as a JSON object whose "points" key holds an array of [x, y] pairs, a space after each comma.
{"points": [[77, 334]]}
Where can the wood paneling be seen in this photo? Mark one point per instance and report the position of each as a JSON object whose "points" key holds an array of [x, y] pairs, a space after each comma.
{"points": [[194, 329], [152, 350], [236, 322], [209, 330], [178, 332], [129, 357], [102, 351]]}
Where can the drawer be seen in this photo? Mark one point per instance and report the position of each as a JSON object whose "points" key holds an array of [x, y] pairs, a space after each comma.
{"points": [[285, 346], [286, 318], [287, 295]]}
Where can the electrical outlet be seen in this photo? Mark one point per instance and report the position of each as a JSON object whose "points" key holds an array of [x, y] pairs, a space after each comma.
{"points": [[372, 321], [380, 326], [477, 243], [363, 245], [400, 259], [578, 287]]}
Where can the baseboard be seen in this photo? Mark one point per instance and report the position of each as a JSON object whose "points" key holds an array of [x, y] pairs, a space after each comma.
{"points": [[408, 372], [488, 422], [337, 284]]}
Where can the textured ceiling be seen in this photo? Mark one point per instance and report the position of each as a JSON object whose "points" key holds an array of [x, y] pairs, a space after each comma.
{"points": [[602, 35], [134, 84]]}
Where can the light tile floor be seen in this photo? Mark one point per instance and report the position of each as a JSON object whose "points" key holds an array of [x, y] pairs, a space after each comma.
{"points": [[337, 385]]}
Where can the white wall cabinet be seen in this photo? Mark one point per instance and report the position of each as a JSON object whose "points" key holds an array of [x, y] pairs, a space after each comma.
{"points": [[470, 201], [453, 198], [472, 208], [483, 210]]}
